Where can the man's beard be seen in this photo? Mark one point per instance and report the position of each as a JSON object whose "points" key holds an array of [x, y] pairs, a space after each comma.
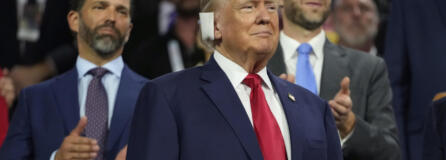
{"points": [[105, 45], [356, 39], [297, 16]]}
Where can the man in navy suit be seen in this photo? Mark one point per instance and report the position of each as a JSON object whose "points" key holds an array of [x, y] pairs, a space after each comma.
{"points": [[232, 107], [101, 89]]}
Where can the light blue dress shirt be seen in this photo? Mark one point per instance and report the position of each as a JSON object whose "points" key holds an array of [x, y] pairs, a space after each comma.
{"points": [[110, 81]]}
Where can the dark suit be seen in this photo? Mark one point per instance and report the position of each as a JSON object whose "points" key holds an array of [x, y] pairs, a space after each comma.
{"points": [[47, 113], [375, 133], [196, 115], [415, 54], [435, 132], [9, 46]]}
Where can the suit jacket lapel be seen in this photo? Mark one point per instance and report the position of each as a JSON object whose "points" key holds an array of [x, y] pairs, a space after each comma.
{"points": [[292, 112], [124, 106], [334, 69], [277, 64], [66, 94], [222, 93]]}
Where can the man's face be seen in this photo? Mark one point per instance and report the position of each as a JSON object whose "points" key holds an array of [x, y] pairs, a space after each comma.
{"points": [[356, 21], [248, 26], [309, 14], [105, 25]]}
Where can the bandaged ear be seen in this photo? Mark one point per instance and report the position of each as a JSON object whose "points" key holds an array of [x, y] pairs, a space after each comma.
{"points": [[207, 26]]}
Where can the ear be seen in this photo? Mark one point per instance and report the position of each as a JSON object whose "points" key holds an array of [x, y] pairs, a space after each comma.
{"points": [[73, 21], [217, 28]]}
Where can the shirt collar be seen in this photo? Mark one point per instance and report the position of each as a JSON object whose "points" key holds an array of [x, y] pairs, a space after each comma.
{"points": [[115, 66], [290, 45], [236, 73]]}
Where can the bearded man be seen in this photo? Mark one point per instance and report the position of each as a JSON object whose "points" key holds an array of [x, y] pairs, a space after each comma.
{"points": [[51, 119], [355, 84]]}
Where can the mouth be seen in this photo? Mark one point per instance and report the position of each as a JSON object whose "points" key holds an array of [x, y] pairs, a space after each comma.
{"points": [[313, 4], [262, 34], [107, 31]]}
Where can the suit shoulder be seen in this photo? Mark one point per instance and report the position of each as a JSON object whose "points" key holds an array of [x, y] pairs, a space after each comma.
{"points": [[136, 76]]}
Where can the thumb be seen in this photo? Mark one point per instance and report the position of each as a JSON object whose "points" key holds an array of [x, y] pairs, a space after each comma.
{"points": [[80, 127], [345, 86]]}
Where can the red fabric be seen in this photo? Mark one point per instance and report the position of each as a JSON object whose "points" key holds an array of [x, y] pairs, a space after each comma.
{"points": [[3, 117], [265, 125]]}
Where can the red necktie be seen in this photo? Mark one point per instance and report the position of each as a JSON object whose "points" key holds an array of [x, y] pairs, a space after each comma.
{"points": [[3, 117], [267, 130]]}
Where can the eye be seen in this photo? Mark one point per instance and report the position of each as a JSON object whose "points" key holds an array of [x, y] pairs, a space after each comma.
{"points": [[248, 7], [98, 7], [272, 7]]}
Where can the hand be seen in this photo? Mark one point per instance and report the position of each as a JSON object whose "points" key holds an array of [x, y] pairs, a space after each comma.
{"points": [[122, 154], [287, 77], [76, 147], [341, 106], [25, 76], [7, 90]]}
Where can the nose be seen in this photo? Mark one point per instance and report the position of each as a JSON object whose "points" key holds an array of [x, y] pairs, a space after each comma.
{"points": [[264, 15], [111, 16]]}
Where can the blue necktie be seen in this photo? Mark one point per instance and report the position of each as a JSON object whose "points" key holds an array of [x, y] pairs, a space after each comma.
{"points": [[304, 71]]}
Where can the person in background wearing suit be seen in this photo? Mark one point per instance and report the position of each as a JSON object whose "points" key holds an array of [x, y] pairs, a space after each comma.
{"points": [[357, 23], [355, 83], [86, 112], [232, 107]]}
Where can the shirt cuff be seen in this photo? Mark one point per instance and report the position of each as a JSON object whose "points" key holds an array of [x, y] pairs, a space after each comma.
{"points": [[346, 138], [53, 155]]}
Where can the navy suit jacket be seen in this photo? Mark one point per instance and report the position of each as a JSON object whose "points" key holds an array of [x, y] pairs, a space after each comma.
{"points": [[196, 115], [415, 55], [47, 113]]}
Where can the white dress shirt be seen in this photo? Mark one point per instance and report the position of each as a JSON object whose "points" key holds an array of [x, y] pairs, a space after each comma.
{"points": [[290, 54], [236, 74], [110, 81]]}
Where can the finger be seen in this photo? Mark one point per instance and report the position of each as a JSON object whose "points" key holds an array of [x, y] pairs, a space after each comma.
{"points": [[345, 86], [341, 110], [335, 114], [80, 127], [345, 101], [291, 78], [83, 148], [283, 76], [84, 140], [82, 155]]}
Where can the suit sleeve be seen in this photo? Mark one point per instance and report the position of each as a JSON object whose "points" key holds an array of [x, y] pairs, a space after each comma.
{"points": [[375, 136], [18, 142], [432, 148], [153, 134], [333, 143], [397, 59]]}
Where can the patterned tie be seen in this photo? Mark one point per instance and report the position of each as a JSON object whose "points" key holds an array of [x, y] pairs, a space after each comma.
{"points": [[97, 110], [304, 71], [267, 130]]}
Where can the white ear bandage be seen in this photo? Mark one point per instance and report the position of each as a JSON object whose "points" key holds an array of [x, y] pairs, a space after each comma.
{"points": [[207, 25]]}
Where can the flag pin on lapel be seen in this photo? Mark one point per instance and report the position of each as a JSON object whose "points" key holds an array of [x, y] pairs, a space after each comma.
{"points": [[291, 97]]}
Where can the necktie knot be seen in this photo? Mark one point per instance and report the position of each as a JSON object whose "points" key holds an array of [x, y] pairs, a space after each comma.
{"points": [[98, 72], [305, 49], [252, 80]]}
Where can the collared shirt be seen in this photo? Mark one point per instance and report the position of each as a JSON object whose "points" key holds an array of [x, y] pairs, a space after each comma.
{"points": [[236, 74], [290, 54], [110, 81]]}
